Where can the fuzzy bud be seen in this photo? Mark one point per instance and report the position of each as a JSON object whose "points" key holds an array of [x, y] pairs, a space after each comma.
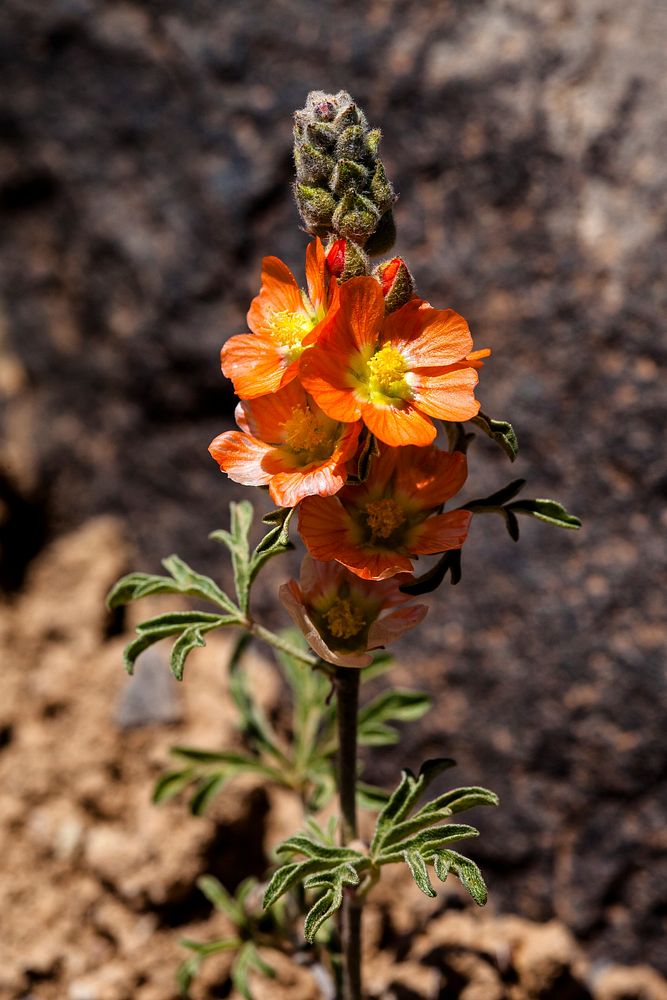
{"points": [[346, 259], [397, 284], [384, 236], [342, 188]]}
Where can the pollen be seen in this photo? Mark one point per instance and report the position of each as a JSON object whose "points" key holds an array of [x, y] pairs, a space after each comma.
{"points": [[303, 431], [386, 371], [384, 517], [289, 328], [344, 620]]}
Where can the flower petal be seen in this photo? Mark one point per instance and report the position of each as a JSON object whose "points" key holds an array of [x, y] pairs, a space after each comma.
{"points": [[429, 476], [325, 526], [440, 533], [393, 626], [431, 338], [265, 416], [323, 374], [279, 292], [256, 365], [362, 309], [317, 275], [446, 396], [287, 489], [241, 457], [293, 600], [398, 426]]}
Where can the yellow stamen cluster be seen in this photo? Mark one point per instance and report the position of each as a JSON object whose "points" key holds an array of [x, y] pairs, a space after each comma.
{"points": [[386, 370], [344, 620], [304, 431], [289, 328], [384, 517]]}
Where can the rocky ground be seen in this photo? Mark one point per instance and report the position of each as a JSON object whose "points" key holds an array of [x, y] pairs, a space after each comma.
{"points": [[144, 171]]}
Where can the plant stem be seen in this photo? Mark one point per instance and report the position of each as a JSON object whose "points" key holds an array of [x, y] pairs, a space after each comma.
{"points": [[347, 685], [274, 640]]}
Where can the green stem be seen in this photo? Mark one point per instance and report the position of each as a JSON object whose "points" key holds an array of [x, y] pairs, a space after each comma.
{"points": [[347, 686], [274, 640]]}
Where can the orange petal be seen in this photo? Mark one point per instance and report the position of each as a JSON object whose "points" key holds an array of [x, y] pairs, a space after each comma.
{"points": [[362, 306], [317, 275], [241, 457], [293, 600], [279, 293], [264, 417], [474, 359], [374, 565], [448, 396], [322, 372], [397, 426], [440, 533], [393, 626], [287, 489], [429, 476], [255, 365], [325, 527], [441, 338]]}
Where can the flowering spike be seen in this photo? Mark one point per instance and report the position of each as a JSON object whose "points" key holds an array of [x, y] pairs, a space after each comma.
{"points": [[397, 284], [342, 188]]}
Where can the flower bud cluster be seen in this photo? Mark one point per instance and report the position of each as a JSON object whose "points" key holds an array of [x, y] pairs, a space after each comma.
{"points": [[341, 188]]}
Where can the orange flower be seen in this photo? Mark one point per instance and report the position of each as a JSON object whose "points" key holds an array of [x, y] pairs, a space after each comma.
{"points": [[377, 528], [283, 320], [289, 445], [394, 372], [342, 617]]}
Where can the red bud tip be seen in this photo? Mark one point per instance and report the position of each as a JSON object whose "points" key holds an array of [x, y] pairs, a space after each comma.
{"points": [[389, 272], [336, 258]]}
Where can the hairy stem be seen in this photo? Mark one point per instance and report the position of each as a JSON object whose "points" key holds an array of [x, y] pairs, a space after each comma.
{"points": [[274, 640], [347, 685]]}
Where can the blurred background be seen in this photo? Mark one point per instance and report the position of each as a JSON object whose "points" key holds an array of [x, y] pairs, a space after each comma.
{"points": [[145, 169]]}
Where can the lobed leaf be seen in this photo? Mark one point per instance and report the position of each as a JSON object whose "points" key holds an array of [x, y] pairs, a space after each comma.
{"points": [[332, 899], [459, 799], [466, 871], [171, 783], [449, 562], [430, 840], [549, 511], [419, 871], [288, 875], [223, 901], [300, 844]]}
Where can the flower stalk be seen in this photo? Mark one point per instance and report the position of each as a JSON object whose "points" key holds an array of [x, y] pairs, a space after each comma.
{"points": [[347, 688]]}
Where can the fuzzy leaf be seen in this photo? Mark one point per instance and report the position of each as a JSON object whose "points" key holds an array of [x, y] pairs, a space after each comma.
{"points": [[466, 871], [188, 640], [419, 872], [442, 864], [459, 799], [326, 905], [370, 797], [206, 790], [549, 511], [427, 841], [289, 875], [406, 795], [255, 726], [236, 540], [171, 783], [216, 893], [399, 705], [184, 580], [500, 431], [449, 562], [300, 844], [275, 542], [497, 499]]}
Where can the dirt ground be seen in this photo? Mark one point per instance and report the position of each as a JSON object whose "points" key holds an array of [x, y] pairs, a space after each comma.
{"points": [[98, 883]]}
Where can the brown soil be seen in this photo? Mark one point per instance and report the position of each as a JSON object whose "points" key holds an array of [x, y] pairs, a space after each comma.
{"points": [[99, 883]]}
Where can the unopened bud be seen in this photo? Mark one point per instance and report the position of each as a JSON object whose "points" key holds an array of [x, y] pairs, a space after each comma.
{"points": [[356, 217], [351, 143], [316, 206], [312, 165], [397, 284], [381, 189], [346, 259], [349, 176]]}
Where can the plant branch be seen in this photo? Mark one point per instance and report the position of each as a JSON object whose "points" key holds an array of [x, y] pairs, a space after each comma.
{"points": [[347, 686]]}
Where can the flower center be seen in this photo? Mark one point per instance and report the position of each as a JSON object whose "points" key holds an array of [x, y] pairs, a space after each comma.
{"points": [[384, 517], [344, 620], [386, 370], [304, 431], [289, 328]]}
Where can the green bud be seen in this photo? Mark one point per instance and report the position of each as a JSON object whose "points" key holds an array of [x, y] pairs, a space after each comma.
{"points": [[356, 217], [349, 115], [373, 142], [346, 259], [351, 143], [381, 190], [321, 134], [397, 284], [316, 206], [312, 165], [348, 176], [384, 236]]}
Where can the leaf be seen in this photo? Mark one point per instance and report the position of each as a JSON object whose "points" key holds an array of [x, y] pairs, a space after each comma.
{"points": [[405, 795], [204, 949], [500, 431], [460, 799], [206, 791], [497, 499], [236, 539], [223, 901], [457, 438], [255, 726], [288, 875], [371, 797], [188, 640], [466, 871], [399, 705], [183, 581], [248, 959], [299, 844], [549, 511], [186, 972], [449, 562], [191, 624], [275, 542], [427, 841], [332, 899], [171, 783], [419, 872]]}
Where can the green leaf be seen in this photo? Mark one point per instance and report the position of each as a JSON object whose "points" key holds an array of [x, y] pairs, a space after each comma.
{"points": [[255, 727], [497, 499], [275, 542], [186, 972], [406, 795], [189, 639], [171, 783], [236, 539], [500, 431], [419, 872], [326, 905], [299, 844], [459, 799], [549, 511], [449, 562], [248, 959], [207, 789], [466, 871], [184, 580], [216, 894], [399, 705], [428, 841], [371, 797], [204, 949], [288, 875]]}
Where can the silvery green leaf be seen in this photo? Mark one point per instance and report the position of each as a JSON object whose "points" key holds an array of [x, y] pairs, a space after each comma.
{"points": [[500, 431], [442, 864], [466, 871], [171, 783], [207, 789], [216, 893], [275, 542], [427, 841], [419, 872], [288, 875], [255, 726], [459, 799], [315, 849], [191, 638], [236, 540], [371, 797], [546, 510], [326, 905]]}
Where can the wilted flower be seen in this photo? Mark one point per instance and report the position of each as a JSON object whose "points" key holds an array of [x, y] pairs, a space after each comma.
{"points": [[343, 617]]}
